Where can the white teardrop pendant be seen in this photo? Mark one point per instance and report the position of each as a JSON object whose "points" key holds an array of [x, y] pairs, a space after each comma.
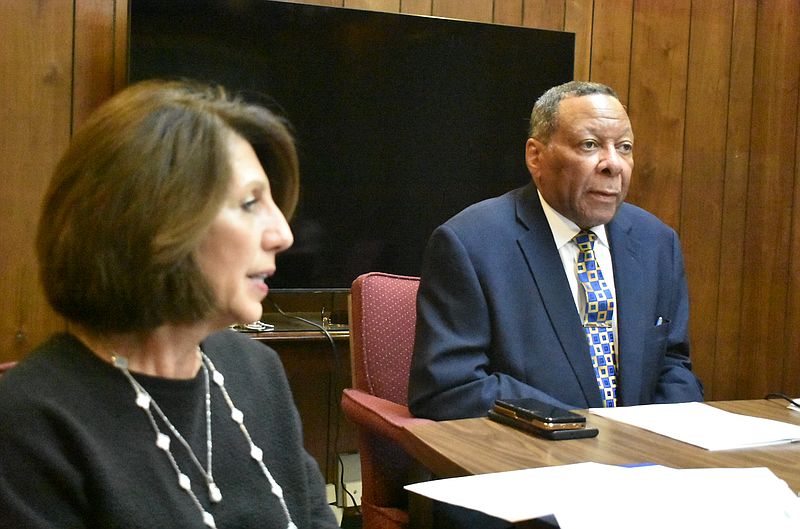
{"points": [[214, 493], [209, 520]]}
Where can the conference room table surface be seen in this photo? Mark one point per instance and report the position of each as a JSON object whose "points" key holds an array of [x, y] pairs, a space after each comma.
{"points": [[478, 446]]}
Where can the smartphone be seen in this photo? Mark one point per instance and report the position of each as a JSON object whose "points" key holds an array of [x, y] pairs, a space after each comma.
{"points": [[546, 420], [540, 414], [553, 435]]}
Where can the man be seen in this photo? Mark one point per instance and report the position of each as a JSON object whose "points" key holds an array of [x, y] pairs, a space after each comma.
{"points": [[501, 311]]}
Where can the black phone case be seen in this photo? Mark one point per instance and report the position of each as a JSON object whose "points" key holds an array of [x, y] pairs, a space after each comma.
{"points": [[554, 435]]}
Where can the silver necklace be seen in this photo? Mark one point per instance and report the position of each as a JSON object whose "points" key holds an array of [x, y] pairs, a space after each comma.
{"points": [[163, 441]]}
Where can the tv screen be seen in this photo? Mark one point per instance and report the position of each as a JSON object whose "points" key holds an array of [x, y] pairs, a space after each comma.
{"points": [[400, 120]]}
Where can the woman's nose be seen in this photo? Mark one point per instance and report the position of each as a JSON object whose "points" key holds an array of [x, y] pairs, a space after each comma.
{"points": [[278, 235]]}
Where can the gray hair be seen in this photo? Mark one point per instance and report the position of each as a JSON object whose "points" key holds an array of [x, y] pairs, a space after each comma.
{"points": [[544, 116]]}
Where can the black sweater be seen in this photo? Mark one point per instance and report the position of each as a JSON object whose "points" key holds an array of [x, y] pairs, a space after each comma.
{"points": [[77, 452]]}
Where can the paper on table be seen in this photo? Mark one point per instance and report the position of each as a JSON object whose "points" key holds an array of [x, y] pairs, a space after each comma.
{"points": [[660, 498], [703, 425], [651, 496], [516, 495]]}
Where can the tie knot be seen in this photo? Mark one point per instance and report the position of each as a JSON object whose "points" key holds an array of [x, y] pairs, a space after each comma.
{"points": [[585, 240]]}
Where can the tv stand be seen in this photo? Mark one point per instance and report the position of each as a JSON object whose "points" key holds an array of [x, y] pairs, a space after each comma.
{"points": [[304, 310]]}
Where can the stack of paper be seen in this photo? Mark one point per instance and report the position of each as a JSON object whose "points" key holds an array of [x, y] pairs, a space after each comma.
{"points": [[703, 425], [649, 496]]}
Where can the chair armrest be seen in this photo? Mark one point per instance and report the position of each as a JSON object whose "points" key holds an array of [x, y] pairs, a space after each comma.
{"points": [[5, 366], [378, 415]]}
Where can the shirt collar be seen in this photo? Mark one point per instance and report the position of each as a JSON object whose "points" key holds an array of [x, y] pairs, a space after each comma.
{"points": [[564, 230]]}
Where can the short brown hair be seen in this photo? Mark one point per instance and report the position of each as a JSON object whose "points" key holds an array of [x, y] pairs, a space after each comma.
{"points": [[134, 194], [544, 116]]}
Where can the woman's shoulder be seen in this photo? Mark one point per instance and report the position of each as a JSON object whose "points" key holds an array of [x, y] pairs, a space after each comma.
{"points": [[51, 387], [60, 356], [253, 372], [239, 351]]}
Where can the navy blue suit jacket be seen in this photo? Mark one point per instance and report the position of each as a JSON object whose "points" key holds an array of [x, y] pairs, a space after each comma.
{"points": [[496, 317]]}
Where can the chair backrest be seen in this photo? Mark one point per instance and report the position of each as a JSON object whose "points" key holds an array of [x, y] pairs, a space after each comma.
{"points": [[383, 315]]}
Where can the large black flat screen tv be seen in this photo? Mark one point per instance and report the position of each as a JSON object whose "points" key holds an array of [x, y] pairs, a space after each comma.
{"points": [[401, 121]]}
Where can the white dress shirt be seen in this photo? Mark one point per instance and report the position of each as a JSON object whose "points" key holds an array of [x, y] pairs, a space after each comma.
{"points": [[563, 231]]}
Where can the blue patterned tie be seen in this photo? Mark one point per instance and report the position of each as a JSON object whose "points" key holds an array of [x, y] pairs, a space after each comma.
{"points": [[598, 318]]}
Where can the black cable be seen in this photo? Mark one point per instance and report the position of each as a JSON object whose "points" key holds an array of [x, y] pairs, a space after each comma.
{"points": [[335, 386], [784, 397], [344, 487]]}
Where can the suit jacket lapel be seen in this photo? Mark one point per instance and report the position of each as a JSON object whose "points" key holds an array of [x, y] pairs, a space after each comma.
{"points": [[627, 255], [548, 273]]}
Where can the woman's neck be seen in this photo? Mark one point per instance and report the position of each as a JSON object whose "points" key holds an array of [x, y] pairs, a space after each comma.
{"points": [[167, 352]]}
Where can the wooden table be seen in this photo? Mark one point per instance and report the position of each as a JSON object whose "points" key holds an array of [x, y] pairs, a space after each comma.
{"points": [[478, 446]]}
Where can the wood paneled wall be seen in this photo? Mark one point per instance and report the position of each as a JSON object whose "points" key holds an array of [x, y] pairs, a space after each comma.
{"points": [[711, 87], [58, 61]]}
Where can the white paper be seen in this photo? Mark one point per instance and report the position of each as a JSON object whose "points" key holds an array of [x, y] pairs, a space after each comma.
{"points": [[648, 496], [657, 497], [516, 495], [703, 425]]}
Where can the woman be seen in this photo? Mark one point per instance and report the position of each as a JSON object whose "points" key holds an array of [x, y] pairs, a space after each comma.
{"points": [[159, 228]]}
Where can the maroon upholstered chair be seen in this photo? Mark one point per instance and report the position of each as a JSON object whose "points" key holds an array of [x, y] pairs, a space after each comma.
{"points": [[382, 321]]}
